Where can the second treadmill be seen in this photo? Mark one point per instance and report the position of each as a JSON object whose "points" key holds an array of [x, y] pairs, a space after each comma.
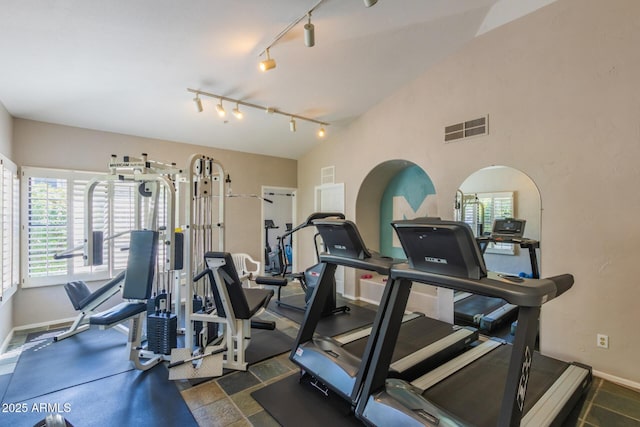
{"points": [[493, 383], [341, 366]]}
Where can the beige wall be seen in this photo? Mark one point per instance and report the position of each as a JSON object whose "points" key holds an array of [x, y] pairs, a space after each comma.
{"points": [[56, 146], [561, 88], [6, 306]]}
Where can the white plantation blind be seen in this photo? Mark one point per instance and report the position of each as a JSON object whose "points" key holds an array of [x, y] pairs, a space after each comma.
{"points": [[484, 208], [10, 229], [53, 222]]}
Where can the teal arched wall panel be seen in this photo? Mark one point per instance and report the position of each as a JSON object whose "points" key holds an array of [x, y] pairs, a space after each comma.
{"points": [[404, 198]]}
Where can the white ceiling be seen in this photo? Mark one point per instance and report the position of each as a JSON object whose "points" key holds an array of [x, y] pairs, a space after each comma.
{"points": [[124, 66]]}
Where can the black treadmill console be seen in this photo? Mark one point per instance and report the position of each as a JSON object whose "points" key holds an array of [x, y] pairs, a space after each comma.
{"points": [[342, 238], [441, 247], [508, 228]]}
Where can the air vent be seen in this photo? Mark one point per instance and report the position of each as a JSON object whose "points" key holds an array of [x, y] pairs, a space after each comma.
{"points": [[328, 175], [467, 129]]}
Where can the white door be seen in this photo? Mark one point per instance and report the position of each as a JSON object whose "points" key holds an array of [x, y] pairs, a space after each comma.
{"points": [[330, 198]]}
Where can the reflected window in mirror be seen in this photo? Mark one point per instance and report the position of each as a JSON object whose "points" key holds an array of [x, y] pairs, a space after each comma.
{"points": [[482, 209]]}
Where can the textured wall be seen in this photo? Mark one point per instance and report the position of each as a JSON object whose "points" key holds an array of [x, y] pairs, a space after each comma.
{"points": [[560, 86]]}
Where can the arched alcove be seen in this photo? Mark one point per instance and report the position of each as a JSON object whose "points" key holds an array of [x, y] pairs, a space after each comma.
{"points": [[395, 189], [398, 185]]}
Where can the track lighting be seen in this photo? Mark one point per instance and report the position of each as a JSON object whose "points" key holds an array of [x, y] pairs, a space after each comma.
{"points": [[309, 33], [268, 63], [220, 109], [369, 3], [269, 110], [236, 112], [309, 36], [198, 102]]}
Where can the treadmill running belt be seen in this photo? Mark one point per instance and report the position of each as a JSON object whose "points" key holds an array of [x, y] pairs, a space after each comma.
{"points": [[414, 335], [475, 392], [466, 309]]}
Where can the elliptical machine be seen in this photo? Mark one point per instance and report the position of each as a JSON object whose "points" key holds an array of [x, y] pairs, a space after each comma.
{"points": [[273, 258], [310, 277]]}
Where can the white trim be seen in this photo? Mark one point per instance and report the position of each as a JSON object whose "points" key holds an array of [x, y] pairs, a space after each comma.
{"points": [[7, 340], [614, 379], [15, 329], [7, 294]]}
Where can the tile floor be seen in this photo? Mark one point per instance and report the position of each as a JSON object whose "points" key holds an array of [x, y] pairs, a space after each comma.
{"points": [[227, 401]]}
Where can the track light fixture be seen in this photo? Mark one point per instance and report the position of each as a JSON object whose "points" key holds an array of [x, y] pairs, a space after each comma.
{"points": [[270, 110], [309, 33], [268, 63], [220, 109], [198, 102], [237, 113]]}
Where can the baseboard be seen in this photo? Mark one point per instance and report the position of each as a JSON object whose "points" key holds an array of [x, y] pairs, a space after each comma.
{"points": [[9, 337], [42, 324], [6, 342], [620, 381]]}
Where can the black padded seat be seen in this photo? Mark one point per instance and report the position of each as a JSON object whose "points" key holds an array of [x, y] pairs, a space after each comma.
{"points": [[81, 296], [257, 299], [245, 302], [138, 279], [119, 313]]}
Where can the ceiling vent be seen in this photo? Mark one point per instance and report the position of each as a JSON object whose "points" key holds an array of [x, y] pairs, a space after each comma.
{"points": [[467, 129]]}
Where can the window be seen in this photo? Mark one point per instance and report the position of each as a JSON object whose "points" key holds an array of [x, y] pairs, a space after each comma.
{"points": [[54, 221], [9, 212], [481, 209]]}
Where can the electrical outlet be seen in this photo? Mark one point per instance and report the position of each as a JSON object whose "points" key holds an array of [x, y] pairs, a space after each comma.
{"points": [[603, 341]]}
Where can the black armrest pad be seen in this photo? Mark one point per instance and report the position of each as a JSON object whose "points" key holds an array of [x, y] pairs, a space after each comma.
{"points": [[271, 280]]}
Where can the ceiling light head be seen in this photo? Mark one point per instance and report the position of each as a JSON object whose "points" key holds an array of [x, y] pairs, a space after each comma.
{"points": [[292, 125], [309, 33], [369, 3], [198, 102], [237, 113], [220, 109], [268, 63], [321, 132]]}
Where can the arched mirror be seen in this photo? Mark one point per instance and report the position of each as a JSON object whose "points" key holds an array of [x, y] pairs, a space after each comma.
{"points": [[502, 205], [495, 193]]}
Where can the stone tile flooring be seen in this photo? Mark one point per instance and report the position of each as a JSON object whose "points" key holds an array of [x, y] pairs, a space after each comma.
{"points": [[227, 401]]}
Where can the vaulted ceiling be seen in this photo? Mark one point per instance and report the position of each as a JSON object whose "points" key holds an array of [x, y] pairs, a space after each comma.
{"points": [[124, 66]]}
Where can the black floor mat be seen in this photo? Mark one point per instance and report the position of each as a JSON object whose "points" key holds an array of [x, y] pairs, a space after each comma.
{"points": [[331, 325], [294, 404], [266, 344], [45, 366], [131, 398]]}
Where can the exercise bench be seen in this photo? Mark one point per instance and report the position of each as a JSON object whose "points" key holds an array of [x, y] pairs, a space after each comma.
{"points": [[235, 307], [137, 284]]}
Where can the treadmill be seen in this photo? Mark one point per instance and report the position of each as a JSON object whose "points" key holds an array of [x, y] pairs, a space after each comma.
{"points": [[341, 365], [493, 383], [490, 313]]}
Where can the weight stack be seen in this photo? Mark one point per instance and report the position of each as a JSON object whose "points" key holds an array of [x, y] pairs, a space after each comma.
{"points": [[162, 333]]}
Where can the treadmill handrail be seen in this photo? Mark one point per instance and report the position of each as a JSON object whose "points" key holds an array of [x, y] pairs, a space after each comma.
{"points": [[376, 263], [518, 291]]}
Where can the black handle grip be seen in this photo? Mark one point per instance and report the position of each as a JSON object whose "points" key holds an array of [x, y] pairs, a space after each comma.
{"points": [[201, 274]]}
